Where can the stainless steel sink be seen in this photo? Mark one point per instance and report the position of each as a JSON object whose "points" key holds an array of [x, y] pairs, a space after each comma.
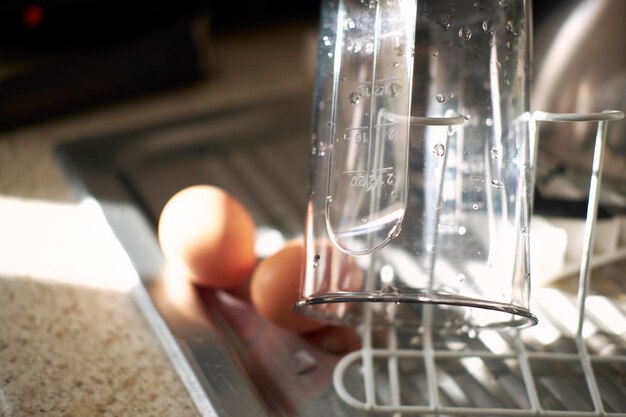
{"points": [[233, 362]]}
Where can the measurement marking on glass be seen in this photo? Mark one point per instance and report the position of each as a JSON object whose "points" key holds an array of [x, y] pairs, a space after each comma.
{"points": [[385, 169], [380, 80], [380, 88], [361, 134], [371, 179], [365, 136]]}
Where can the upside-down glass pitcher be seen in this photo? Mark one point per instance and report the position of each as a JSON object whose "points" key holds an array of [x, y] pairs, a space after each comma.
{"points": [[420, 168]]}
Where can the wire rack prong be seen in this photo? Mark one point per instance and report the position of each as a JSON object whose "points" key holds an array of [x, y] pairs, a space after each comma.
{"points": [[429, 355]]}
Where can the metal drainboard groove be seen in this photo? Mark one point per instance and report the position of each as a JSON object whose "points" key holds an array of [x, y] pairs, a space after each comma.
{"points": [[267, 192]]}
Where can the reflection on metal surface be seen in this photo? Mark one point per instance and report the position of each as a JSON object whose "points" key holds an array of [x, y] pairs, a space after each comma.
{"points": [[581, 67]]}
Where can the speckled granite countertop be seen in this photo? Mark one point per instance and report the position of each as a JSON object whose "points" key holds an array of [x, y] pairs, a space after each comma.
{"points": [[72, 351], [72, 341]]}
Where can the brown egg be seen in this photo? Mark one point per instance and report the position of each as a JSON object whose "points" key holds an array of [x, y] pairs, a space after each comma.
{"points": [[207, 231], [275, 287]]}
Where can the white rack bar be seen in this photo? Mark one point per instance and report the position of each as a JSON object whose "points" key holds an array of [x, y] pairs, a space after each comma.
{"points": [[367, 354]]}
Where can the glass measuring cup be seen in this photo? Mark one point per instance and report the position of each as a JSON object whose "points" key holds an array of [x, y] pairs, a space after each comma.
{"points": [[420, 166]]}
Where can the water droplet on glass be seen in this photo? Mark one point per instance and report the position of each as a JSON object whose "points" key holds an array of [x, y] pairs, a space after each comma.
{"points": [[462, 230], [354, 47], [511, 28], [395, 231], [525, 231], [355, 97], [389, 290], [444, 21], [489, 121], [330, 54], [479, 4], [316, 260], [443, 97], [396, 64], [329, 198], [498, 65], [326, 40], [435, 53], [472, 333], [401, 49], [466, 117], [302, 362], [350, 24], [474, 207], [503, 3], [451, 130], [487, 26], [415, 341], [369, 48], [497, 183], [439, 150], [465, 33], [363, 220], [493, 154], [507, 82], [395, 89], [322, 150], [508, 46], [447, 227], [461, 278]]}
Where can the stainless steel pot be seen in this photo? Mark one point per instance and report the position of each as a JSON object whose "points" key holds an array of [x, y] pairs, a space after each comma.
{"points": [[580, 66]]}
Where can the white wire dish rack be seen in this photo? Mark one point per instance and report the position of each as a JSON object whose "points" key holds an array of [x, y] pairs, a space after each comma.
{"points": [[572, 364]]}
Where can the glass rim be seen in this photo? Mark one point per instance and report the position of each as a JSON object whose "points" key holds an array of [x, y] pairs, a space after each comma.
{"points": [[524, 318]]}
